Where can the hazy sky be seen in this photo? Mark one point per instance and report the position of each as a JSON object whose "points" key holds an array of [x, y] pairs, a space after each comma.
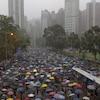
{"points": [[33, 7]]}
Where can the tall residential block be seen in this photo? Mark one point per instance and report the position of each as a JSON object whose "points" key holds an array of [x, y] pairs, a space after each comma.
{"points": [[72, 16], [93, 14], [45, 20], [16, 10]]}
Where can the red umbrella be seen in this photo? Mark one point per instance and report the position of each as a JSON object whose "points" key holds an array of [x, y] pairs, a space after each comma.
{"points": [[79, 85]]}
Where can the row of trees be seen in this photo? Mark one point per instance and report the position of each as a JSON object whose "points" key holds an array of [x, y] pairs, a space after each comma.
{"points": [[11, 38], [56, 37]]}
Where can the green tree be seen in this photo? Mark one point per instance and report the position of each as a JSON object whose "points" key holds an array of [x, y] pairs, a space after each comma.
{"points": [[11, 37], [92, 37], [74, 41], [55, 37]]}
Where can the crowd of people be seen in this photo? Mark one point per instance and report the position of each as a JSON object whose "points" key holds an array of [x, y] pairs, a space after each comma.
{"points": [[40, 74]]}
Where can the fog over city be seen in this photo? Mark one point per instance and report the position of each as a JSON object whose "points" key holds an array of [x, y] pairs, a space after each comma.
{"points": [[33, 7]]}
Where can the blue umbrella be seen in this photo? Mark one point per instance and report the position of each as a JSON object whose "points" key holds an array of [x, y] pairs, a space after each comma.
{"points": [[21, 89], [38, 99], [61, 97], [76, 99], [78, 91]]}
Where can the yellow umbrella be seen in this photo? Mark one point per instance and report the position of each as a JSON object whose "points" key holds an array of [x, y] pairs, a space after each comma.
{"points": [[74, 83], [28, 73], [34, 70], [10, 99], [51, 78], [71, 84], [44, 85]]}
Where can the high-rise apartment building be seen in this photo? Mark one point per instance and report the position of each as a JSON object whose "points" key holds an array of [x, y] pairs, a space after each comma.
{"points": [[45, 22], [93, 14], [16, 10], [71, 16]]}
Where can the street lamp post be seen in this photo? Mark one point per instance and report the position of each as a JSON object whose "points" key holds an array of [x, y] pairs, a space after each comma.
{"points": [[6, 50]]}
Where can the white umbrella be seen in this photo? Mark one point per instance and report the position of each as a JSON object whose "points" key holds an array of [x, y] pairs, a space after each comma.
{"points": [[91, 87], [86, 98]]}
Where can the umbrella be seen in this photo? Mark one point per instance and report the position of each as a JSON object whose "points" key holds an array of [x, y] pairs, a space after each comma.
{"points": [[91, 87], [38, 99], [28, 73], [49, 89], [72, 94], [32, 77], [48, 75], [86, 98], [79, 85], [78, 91], [60, 92], [30, 86], [63, 83], [61, 97], [31, 95], [10, 93], [10, 99], [74, 83], [21, 89], [76, 99], [47, 80], [67, 81], [46, 95], [34, 70], [4, 90], [38, 84], [56, 95], [51, 78], [70, 85], [44, 85], [4, 96]]}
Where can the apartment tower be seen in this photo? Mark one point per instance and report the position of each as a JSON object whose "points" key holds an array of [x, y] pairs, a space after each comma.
{"points": [[72, 16], [16, 10]]}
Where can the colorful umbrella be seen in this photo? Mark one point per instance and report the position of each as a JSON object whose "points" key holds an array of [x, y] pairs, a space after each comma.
{"points": [[79, 85], [34, 70], [74, 83], [51, 78], [10, 99], [70, 85], [28, 73], [10, 93], [44, 85]]}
